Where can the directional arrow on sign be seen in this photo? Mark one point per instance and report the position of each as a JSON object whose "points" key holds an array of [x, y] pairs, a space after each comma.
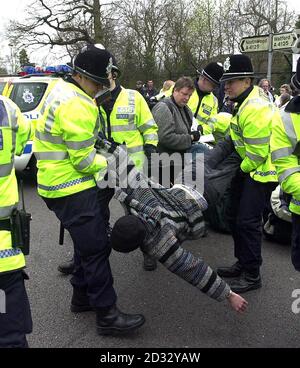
{"points": [[254, 44], [283, 40]]}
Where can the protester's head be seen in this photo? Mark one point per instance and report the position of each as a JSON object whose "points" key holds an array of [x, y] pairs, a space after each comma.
{"points": [[139, 84], [210, 76], [265, 85], [238, 75], [285, 88], [167, 85], [127, 234], [150, 84], [284, 98], [92, 69], [182, 91]]}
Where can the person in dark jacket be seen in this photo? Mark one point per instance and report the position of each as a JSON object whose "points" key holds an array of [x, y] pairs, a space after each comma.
{"points": [[160, 219]]}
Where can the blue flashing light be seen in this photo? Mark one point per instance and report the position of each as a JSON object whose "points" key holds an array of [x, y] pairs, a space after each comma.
{"points": [[60, 69]]}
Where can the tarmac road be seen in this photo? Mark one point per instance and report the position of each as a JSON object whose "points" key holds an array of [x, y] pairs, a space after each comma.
{"points": [[177, 314]]}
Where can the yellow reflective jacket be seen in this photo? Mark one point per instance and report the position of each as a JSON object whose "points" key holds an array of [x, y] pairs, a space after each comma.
{"points": [[64, 142], [221, 123], [14, 133], [285, 148], [207, 110], [132, 123], [250, 130]]}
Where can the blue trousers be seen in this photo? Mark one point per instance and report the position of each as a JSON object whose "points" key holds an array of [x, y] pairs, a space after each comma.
{"points": [[81, 214], [15, 318]]}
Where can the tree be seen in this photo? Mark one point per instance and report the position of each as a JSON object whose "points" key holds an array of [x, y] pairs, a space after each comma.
{"points": [[61, 23], [146, 19], [23, 58]]}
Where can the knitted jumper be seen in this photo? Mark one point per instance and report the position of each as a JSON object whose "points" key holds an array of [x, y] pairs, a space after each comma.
{"points": [[170, 216]]}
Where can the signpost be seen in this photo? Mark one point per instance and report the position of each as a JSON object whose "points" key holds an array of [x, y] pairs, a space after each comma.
{"points": [[271, 42], [283, 40], [254, 44]]}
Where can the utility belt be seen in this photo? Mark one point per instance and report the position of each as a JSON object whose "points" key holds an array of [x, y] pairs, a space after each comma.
{"points": [[19, 226]]}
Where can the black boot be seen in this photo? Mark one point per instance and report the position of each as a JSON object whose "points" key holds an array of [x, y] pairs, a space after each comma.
{"points": [[246, 282], [80, 301], [149, 263], [114, 322], [67, 268], [233, 271]]}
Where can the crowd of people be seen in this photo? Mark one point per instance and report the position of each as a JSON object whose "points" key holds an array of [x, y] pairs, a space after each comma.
{"points": [[89, 125]]}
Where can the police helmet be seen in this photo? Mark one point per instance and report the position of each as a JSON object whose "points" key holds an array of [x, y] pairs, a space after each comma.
{"points": [[95, 63]]}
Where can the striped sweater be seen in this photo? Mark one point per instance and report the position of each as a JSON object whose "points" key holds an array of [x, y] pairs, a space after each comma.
{"points": [[170, 217]]}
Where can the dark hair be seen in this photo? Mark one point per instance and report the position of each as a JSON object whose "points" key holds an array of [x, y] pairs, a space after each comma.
{"points": [[184, 82], [284, 98]]}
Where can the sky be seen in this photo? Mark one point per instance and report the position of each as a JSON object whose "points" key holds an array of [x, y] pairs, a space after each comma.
{"points": [[14, 9]]}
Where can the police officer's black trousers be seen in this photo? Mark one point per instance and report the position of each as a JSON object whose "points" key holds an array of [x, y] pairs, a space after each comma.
{"points": [[296, 241], [81, 214], [15, 315], [248, 201]]}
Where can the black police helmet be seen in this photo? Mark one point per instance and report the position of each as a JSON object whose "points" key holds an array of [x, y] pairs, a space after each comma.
{"points": [[95, 63], [213, 72], [236, 67]]}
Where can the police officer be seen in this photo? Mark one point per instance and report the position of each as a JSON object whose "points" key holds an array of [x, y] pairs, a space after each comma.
{"points": [[285, 148], [126, 119], [250, 131], [204, 104], [67, 168], [15, 314]]}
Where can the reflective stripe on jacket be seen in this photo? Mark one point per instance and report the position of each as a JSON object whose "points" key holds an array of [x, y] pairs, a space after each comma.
{"points": [[14, 133], [285, 148], [132, 123], [64, 142], [206, 112], [250, 130]]}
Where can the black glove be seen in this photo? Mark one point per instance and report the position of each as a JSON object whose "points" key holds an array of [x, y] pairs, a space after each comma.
{"points": [[149, 149], [200, 129], [195, 136]]}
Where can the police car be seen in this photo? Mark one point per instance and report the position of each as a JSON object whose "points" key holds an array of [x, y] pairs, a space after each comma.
{"points": [[5, 83], [28, 93]]}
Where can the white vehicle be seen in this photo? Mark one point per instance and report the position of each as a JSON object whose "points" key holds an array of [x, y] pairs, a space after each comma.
{"points": [[28, 92]]}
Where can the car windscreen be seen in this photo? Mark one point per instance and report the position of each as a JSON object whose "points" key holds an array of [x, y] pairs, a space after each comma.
{"points": [[28, 95]]}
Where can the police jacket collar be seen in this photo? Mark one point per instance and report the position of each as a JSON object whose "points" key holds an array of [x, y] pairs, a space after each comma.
{"points": [[294, 105], [109, 104]]}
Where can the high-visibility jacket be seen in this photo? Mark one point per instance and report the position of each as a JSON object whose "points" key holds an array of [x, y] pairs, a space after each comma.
{"points": [[14, 133], [64, 142], [163, 94], [221, 125], [285, 148], [207, 110], [250, 130], [132, 123]]}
